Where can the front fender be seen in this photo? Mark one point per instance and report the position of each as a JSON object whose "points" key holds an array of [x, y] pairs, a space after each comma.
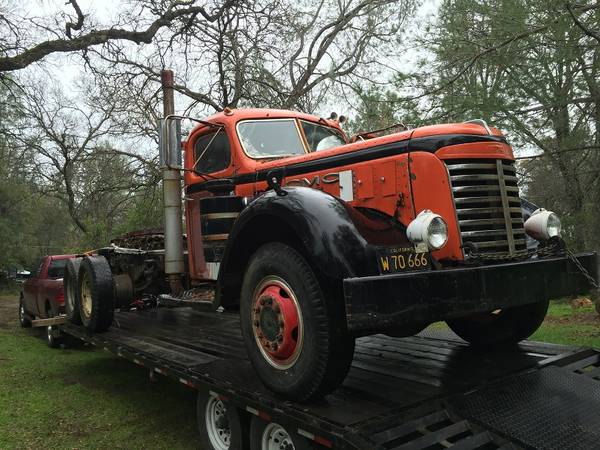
{"points": [[338, 240]]}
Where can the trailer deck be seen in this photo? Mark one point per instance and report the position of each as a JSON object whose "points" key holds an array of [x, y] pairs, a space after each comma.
{"points": [[430, 391]]}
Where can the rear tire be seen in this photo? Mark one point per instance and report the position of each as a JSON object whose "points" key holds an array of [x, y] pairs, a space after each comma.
{"points": [[505, 327], [24, 317], [220, 424], [71, 283], [269, 435], [53, 336], [96, 293], [299, 348]]}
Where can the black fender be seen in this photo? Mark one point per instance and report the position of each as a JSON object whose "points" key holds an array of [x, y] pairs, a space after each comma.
{"points": [[336, 239]]}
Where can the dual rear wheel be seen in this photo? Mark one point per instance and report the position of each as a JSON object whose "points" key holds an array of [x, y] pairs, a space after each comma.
{"points": [[89, 293]]}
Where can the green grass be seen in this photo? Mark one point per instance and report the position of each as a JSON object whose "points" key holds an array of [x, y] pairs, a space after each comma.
{"points": [[571, 326], [86, 398], [82, 397]]}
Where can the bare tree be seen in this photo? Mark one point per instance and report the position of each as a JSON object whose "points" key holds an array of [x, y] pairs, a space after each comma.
{"points": [[26, 39], [76, 159], [275, 53]]}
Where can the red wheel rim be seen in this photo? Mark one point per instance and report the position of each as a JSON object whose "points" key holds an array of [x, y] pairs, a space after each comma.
{"points": [[277, 322]]}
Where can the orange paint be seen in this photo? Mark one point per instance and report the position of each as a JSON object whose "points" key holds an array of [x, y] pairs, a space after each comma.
{"points": [[399, 185]]}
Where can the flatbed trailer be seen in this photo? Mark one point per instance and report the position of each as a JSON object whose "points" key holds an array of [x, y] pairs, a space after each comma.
{"points": [[430, 391]]}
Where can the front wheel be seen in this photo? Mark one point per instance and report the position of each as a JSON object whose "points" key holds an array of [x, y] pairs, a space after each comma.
{"points": [[298, 347], [24, 318], [501, 327]]}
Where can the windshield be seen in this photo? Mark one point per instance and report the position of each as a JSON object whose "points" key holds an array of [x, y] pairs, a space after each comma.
{"points": [[320, 137], [270, 138]]}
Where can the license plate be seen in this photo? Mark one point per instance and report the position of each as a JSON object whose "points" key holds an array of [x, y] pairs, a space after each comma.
{"points": [[401, 259]]}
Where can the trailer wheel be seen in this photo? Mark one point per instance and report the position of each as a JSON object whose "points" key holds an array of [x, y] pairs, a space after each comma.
{"points": [[24, 317], [501, 327], [220, 425], [71, 283], [298, 348], [273, 436], [53, 336], [96, 302]]}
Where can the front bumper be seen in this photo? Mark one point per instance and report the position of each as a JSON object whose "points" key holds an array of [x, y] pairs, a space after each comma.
{"points": [[377, 303]]}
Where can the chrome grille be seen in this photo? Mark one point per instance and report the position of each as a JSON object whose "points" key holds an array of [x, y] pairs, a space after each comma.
{"points": [[488, 207]]}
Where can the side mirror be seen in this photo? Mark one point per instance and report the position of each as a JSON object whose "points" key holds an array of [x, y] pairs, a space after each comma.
{"points": [[169, 143]]}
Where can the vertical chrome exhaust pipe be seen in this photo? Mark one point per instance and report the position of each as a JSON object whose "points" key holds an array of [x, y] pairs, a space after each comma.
{"points": [[170, 164]]}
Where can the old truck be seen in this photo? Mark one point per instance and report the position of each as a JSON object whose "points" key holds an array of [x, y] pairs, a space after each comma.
{"points": [[42, 294], [307, 239]]}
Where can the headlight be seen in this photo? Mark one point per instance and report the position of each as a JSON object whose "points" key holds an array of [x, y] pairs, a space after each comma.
{"points": [[428, 228], [543, 225]]}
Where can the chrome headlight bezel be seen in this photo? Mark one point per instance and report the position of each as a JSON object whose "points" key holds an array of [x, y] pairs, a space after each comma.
{"points": [[421, 230], [543, 225]]}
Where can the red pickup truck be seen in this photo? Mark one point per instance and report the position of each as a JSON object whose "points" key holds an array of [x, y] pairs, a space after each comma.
{"points": [[42, 295]]}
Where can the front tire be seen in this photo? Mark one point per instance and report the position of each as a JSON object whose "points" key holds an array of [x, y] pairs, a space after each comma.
{"points": [[71, 283], [298, 347], [96, 293], [502, 327], [24, 317]]}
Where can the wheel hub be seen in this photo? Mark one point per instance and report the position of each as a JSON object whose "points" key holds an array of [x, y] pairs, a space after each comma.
{"points": [[217, 424], [86, 297], [275, 437], [277, 324]]}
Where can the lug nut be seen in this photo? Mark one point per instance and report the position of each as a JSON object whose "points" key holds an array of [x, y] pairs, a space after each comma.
{"points": [[275, 347], [280, 338], [269, 301], [261, 301]]}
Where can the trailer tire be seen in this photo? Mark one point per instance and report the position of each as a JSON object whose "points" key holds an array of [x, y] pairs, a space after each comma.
{"points": [[71, 283], [24, 317], [261, 432], [96, 293], [221, 426], [298, 347], [506, 327]]}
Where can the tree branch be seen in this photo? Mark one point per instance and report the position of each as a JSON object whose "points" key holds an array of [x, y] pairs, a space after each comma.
{"points": [[96, 37]]}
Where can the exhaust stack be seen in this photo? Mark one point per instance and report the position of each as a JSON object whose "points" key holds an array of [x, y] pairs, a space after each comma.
{"points": [[170, 165]]}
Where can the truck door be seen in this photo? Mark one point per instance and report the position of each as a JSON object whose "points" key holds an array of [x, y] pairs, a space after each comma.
{"points": [[209, 155], [30, 289]]}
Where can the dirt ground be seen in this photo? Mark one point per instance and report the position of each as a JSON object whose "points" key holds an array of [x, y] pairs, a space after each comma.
{"points": [[9, 304]]}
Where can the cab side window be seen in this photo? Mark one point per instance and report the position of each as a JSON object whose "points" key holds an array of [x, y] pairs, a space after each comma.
{"points": [[212, 152], [320, 137]]}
